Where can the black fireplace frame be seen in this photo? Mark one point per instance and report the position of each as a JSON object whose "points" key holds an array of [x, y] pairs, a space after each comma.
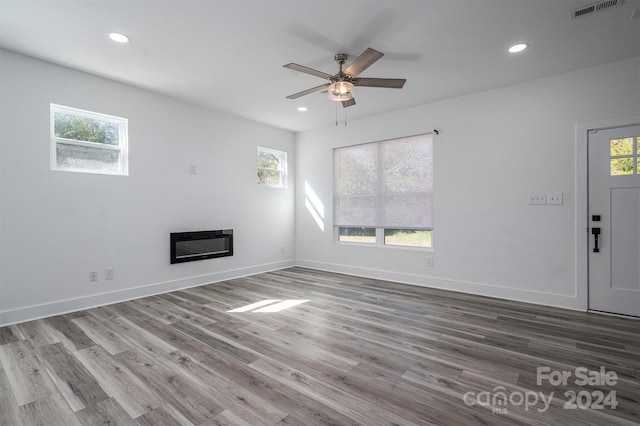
{"points": [[177, 237]]}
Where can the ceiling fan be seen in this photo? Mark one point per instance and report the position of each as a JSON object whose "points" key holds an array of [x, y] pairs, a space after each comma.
{"points": [[341, 84]]}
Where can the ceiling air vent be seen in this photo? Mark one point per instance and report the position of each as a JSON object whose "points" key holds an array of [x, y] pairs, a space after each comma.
{"points": [[592, 8]]}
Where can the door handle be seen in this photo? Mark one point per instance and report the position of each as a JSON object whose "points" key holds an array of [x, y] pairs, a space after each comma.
{"points": [[595, 232]]}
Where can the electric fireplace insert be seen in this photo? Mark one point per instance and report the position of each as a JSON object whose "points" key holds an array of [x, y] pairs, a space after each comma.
{"points": [[190, 246]]}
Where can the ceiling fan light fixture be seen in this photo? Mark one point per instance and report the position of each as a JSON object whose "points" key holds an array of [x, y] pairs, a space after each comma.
{"points": [[341, 91]]}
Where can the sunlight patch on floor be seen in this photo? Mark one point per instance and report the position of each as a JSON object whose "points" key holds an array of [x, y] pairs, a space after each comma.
{"points": [[269, 306]]}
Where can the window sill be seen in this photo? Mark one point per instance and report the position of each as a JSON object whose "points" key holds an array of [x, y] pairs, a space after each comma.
{"points": [[88, 171], [264, 185], [384, 246]]}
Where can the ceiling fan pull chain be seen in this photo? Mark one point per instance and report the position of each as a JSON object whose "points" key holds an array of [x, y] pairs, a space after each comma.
{"points": [[336, 115]]}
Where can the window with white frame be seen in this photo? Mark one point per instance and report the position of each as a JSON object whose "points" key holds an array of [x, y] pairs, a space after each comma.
{"points": [[89, 142], [383, 192], [272, 167]]}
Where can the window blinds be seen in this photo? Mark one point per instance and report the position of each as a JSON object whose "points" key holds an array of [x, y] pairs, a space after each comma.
{"points": [[385, 184]]}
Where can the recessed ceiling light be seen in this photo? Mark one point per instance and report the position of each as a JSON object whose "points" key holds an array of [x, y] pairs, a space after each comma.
{"points": [[119, 37], [302, 108], [518, 47]]}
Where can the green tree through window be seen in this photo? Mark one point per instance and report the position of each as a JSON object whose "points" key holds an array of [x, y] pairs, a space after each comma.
{"points": [[271, 167], [88, 142], [86, 129]]}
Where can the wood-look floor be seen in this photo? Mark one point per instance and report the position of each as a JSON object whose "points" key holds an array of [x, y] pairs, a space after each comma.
{"points": [[358, 352]]}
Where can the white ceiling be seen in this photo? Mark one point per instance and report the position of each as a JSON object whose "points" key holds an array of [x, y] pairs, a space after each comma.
{"points": [[228, 55]]}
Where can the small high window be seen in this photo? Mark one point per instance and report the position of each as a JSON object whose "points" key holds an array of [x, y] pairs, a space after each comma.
{"points": [[89, 142], [272, 168]]}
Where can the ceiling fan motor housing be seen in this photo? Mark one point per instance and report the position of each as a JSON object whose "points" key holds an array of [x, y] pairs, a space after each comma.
{"points": [[340, 59]]}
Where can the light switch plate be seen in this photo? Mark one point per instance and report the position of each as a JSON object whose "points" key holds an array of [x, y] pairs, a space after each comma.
{"points": [[554, 198], [537, 199], [109, 273]]}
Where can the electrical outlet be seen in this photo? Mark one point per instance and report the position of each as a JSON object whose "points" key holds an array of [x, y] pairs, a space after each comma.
{"points": [[192, 169], [93, 276], [429, 261], [554, 198], [109, 273], [537, 199], [282, 250]]}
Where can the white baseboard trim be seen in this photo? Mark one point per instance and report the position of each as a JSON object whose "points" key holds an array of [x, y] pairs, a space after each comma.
{"points": [[29, 313], [480, 289]]}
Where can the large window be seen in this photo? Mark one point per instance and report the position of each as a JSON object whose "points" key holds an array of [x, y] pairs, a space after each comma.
{"points": [[272, 168], [85, 141], [383, 192]]}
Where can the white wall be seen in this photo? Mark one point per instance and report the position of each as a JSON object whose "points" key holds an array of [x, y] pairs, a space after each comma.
{"points": [[494, 148], [57, 226]]}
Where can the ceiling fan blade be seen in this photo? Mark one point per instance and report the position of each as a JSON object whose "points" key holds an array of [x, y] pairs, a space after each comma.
{"points": [[306, 92], [390, 83], [308, 70], [364, 61], [349, 103]]}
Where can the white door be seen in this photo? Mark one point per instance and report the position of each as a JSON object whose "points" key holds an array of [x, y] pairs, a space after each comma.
{"points": [[614, 220]]}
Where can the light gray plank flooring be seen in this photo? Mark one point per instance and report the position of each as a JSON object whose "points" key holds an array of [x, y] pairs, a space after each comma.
{"points": [[357, 352]]}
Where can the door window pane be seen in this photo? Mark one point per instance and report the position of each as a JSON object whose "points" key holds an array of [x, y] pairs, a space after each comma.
{"points": [[625, 156], [622, 146], [621, 166]]}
